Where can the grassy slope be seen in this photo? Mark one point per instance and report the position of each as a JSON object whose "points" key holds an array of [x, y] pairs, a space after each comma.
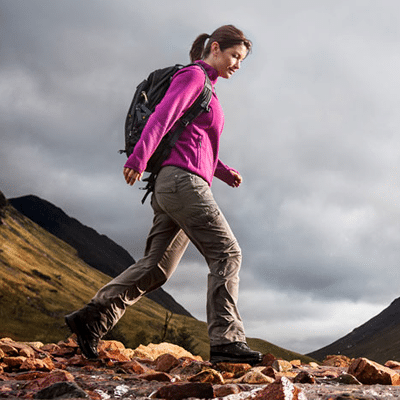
{"points": [[42, 279]]}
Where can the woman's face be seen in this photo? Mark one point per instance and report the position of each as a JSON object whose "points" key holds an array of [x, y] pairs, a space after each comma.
{"points": [[227, 61]]}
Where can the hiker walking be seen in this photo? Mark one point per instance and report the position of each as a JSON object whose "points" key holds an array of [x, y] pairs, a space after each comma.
{"points": [[184, 208]]}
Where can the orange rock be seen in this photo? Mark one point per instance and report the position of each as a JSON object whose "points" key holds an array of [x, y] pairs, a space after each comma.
{"points": [[50, 347], [30, 376], [49, 379], [152, 351], [225, 390], [134, 367], [111, 345], [372, 373], [166, 362], [392, 364], [207, 375], [114, 355], [228, 375], [282, 365], [268, 359], [336, 361], [8, 349], [32, 364], [236, 369], [255, 376], [14, 362]]}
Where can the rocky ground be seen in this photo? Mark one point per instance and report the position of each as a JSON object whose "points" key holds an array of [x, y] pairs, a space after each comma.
{"points": [[165, 371]]}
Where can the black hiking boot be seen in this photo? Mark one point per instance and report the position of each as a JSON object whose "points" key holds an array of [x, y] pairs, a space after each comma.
{"points": [[87, 340], [236, 352]]}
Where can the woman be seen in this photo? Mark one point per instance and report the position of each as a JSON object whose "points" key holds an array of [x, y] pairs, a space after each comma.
{"points": [[184, 208]]}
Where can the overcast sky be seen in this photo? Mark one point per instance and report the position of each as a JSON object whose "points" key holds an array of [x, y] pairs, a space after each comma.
{"points": [[312, 121]]}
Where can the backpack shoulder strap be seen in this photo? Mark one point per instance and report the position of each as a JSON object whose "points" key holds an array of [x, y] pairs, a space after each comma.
{"points": [[201, 104]]}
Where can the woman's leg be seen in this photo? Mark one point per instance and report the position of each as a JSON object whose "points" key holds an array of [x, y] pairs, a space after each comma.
{"points": [[188, 200], [165, 246]]}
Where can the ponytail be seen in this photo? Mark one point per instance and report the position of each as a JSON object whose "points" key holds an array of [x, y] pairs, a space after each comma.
{"points": [[226, 36], [197, 50]]}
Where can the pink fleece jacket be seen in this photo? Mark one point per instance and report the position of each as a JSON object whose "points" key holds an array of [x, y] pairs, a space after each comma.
{"points": [[198, 146]]}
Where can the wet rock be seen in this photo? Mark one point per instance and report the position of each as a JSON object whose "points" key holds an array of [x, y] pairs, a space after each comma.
{"points": [[372, 373], [61, 390], [282, 389], [185, 391], [166, 362]]}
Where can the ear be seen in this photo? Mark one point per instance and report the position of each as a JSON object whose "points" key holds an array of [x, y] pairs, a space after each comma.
{"points": [[215, 48]]}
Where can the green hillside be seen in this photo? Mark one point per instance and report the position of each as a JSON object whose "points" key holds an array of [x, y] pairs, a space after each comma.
{"points": [[42, 279]]}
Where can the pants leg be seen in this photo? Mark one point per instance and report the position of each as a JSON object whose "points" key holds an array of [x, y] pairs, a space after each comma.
{"points": [[188, 200], [165, 246]]}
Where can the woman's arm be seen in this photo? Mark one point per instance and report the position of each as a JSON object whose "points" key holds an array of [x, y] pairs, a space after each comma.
{"points": [[228, 175]]}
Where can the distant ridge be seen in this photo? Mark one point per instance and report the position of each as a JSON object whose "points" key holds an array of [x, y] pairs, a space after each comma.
{"points": [[378, 339], [97, 250]]}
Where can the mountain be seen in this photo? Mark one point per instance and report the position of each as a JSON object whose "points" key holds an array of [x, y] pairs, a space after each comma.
{"points": [[378, 339], [43, 278], [95, 249]]}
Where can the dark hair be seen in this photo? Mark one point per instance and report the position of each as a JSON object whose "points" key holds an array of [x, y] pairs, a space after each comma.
{"points": [[226, 36]]}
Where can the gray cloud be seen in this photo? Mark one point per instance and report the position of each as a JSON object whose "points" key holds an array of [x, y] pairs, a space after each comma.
{"points": [[311, 123]]}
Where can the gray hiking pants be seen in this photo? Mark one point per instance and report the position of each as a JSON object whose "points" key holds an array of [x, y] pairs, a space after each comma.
{"points": [[184, 209]]}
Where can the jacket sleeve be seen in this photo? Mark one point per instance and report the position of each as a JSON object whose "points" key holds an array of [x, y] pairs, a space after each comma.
{"points": [[184, 89], [224, 173]]}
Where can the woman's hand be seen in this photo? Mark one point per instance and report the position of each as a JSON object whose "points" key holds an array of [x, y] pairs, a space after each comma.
{"points": [[131, 176], [237, 179]]}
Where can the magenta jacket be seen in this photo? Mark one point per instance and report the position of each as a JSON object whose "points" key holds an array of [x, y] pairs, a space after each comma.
{"points": [[198, 146]]}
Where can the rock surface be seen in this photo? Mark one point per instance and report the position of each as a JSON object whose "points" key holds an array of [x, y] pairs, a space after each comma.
{"points": [[166, 371]]}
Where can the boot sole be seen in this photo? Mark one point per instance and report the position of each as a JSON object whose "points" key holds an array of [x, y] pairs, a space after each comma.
{"points": [[232, 360]]}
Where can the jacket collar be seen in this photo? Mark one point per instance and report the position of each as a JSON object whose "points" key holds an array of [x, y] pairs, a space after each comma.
{"points": [[212, 72]]}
